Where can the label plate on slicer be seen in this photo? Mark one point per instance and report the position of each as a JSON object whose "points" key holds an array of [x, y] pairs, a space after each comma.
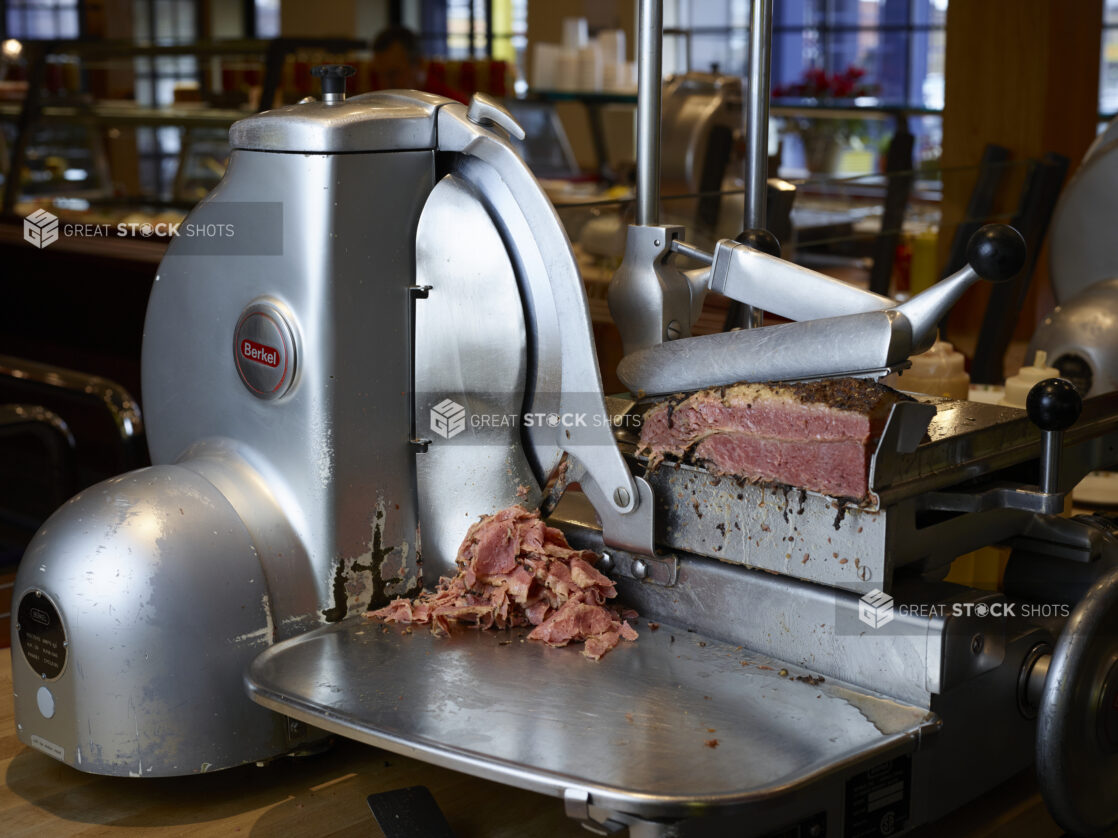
{"points": [[264, 350], [41, 634]]}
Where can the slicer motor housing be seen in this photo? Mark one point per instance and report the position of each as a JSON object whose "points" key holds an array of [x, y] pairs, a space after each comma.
{"points": [[269, 354], [286, 350], [138, 605]]}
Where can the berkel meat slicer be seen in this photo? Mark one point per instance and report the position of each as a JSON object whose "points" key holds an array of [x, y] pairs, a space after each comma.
{"points": [[314, 382]]}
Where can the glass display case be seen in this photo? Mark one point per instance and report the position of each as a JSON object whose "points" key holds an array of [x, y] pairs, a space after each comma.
{"points": [[94, 129], [98, 131]]}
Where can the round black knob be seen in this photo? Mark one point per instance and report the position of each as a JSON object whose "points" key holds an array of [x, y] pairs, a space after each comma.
{"points": [[1054, 404], [996, 252], [333, 77], [761, 240]]}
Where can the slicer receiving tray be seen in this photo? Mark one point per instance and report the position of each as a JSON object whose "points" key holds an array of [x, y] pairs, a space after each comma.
{"points": [[664, 727]]}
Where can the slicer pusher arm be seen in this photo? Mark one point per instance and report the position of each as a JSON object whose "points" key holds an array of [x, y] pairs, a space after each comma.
{"points": [[867, 343], [994, 253], [750, 275]]}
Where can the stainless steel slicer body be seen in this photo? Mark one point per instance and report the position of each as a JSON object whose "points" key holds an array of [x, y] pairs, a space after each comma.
{"points": [[313, 380], [278, 386], [267, 355]]}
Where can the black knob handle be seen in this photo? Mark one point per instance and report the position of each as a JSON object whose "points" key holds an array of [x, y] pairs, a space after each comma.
{"points": [[333, 76], [996, 252], [761, 240], [1054, 404]]}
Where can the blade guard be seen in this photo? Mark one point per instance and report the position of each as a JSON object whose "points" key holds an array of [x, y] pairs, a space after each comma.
{"points": [[558, 317]]}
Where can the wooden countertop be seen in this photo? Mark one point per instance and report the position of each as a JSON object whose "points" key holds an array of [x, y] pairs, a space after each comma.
{"points": [[310, 797], [324, 795]]}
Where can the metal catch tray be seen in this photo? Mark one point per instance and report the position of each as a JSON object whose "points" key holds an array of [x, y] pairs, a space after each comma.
{"points": [[654, 728]]}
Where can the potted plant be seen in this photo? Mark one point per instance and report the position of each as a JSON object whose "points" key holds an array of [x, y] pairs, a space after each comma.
{"points": [[824, 137]]}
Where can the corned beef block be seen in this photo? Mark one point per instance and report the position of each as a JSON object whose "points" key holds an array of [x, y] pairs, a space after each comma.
{"points": [[816, 435]]}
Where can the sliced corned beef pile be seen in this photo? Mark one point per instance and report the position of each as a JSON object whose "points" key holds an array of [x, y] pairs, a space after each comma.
{"points": [[513, 570], [816, 435]]}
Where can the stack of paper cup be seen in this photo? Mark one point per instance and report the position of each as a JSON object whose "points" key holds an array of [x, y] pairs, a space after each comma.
{"points": [[566, 71], [581, 64], [627, 79], [589, 68], [611, 42], [575, 33], [611, 46], [545, 66], [610, 76]]}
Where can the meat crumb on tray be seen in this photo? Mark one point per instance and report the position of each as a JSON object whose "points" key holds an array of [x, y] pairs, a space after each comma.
{"points": [[513, 570]]}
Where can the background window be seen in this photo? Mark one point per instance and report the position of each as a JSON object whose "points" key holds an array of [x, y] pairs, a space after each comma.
{"points": [[899, 43], [162, 22], [267, 18], [462, 29], [1108, 71], [41, 18]]}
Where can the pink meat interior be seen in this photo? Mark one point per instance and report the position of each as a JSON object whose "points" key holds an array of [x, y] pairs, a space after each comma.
{"points": [[815, 436]]}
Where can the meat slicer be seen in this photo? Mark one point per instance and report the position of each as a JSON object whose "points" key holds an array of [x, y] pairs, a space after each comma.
{"points": [[380, 335]]}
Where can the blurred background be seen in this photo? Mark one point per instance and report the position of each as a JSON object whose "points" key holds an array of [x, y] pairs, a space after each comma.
{"points": [[898, 127]]}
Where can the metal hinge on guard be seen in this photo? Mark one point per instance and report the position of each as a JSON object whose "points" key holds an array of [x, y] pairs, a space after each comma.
{"points": [[658, 570], [416, 292]]}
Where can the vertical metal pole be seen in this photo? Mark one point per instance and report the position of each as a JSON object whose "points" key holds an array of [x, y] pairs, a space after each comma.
{"points": [[1051, 444], [471, 25], [757, 127], [489, 29], [757, 115], [650, 46]]}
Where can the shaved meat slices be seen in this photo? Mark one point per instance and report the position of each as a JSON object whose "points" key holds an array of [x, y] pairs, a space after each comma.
{"points": [[513, 570]]}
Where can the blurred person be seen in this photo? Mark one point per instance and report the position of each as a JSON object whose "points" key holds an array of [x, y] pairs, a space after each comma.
{"points": [[399, 64]]}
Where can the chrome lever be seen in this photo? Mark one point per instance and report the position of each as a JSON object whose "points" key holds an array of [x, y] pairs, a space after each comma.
{"points": [[486, 111], [994, 253], [862, 344], [766, 281], [692, 252]]}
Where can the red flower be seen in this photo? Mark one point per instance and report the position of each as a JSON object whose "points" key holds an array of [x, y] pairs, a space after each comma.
{"points": [[819, 84]]}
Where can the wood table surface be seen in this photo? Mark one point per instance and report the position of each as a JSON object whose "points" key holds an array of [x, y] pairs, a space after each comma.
{"points": [[324, 796], [310, 797]]}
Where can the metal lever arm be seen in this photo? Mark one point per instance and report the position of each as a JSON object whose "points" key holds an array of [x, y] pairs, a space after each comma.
{"points": [[1053, 405], [486, 111], [773, 284], [865, 343], [852, 345], [996, 253], [765, 281]]}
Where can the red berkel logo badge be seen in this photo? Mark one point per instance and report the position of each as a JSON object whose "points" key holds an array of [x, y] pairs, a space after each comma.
{"points": [[260, 353]]}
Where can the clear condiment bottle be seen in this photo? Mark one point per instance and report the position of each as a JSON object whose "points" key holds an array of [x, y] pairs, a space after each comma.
{"points": [[940, 371], [1017, 387]]}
